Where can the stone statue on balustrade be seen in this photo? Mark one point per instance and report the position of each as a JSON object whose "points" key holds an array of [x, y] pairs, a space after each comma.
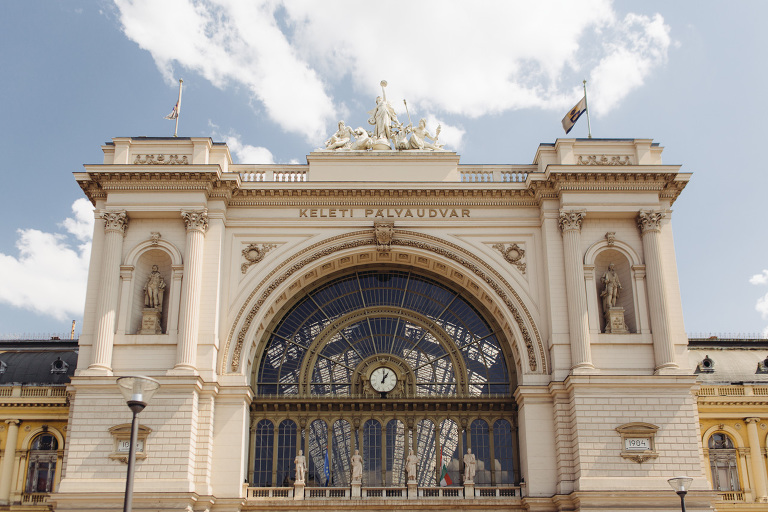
{"points": [[341, 139], [470, 467], [357, 467], [301, 467], [614, 316], [410, 465]]}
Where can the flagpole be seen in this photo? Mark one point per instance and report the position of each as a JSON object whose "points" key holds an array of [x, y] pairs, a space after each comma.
{"points": [[586, 105], [178, 111]]}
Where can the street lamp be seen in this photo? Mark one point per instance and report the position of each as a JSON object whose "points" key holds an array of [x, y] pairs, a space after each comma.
{"points": [[681, 484], [137, 392]]}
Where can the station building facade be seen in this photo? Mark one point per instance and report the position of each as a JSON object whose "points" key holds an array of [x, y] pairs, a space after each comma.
{"points": [[385, 302]]}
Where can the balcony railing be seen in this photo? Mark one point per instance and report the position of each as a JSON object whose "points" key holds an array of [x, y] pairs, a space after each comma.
{"points": [[731, 496], [35, 498], [394, 493]]}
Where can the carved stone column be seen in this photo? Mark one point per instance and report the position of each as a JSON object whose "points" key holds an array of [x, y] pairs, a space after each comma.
{"points": [[578, 319], [115, 224], [9, 457], [760, 486], [649, 222], [197, 224]]}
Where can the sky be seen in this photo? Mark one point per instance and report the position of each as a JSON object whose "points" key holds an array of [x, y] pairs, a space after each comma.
{"points": [[271, 78]]}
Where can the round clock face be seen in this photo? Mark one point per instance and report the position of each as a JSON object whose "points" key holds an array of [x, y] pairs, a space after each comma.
{"points": [[383, 379]]}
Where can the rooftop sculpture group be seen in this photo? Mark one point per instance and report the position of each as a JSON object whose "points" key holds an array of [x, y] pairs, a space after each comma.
{"points": [[388, 132]]}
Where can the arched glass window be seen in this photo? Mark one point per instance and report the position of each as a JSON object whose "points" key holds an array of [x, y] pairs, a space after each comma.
{"points": [[722, 461], [341, 454], [263, 445], [503, 453], [449, 444], [286, 453], [482, 450], [396, 453], [371, 453], [425, 449], [318, 444], [42, 464]]}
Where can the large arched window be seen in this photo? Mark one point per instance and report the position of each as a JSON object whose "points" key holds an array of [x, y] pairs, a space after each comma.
{"points": [[722, 461], [384, 361], [42, 464]]}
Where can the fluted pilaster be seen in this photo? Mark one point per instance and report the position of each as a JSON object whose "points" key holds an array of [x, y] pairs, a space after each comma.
{"points": [[578, 319], [649, 222], [115, 224], [197, 224], [757, 461]]}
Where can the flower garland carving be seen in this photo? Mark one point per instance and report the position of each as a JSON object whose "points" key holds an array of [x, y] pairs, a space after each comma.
{"points": [[254, 253], [603, 160], [161, 160], [514, 254]]}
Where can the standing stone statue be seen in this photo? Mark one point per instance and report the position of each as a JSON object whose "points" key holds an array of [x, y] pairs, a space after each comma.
{"points": [[612, 286], [301, 467], [382, 117], [410, 465], [357, 467], [154, 289], [470, 466]]}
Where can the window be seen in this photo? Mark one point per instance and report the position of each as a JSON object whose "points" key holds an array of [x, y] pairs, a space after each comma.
{"points": [[42, 464], [722, 460]]}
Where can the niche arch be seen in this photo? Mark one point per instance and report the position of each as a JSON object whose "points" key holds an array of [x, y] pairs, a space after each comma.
{"points": [[631, 272], [476, 278], [134, 274]]}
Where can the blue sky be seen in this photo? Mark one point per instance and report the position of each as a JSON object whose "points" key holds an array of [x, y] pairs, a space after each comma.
{"points": [[271, 79]]}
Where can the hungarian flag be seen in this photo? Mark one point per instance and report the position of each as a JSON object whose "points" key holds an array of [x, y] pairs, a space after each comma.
{"points": [[445, 479]]}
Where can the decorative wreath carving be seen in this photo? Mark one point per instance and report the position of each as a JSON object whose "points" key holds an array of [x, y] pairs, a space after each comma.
{"points": [[254, 253], [514, 254]]}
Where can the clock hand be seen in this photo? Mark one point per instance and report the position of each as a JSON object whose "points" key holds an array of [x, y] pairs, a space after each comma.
{"points": [[384, 377]]}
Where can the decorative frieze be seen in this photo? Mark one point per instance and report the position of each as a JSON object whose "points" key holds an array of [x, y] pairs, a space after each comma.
{"points": [[571, 219], [161, 160], [603, 160], [196, 220], [115, 221], [254, 253], [514, 254]]}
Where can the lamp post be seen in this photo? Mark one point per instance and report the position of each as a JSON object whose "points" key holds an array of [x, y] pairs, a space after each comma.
{"points": [[681, 484], [137, 392]]}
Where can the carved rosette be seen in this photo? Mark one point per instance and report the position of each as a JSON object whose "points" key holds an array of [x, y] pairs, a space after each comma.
{"points": [[603, 160], [115, 222], [571, 219], [650, 220], [514, 254], [254, 253], [196, 220], [383, 233]]}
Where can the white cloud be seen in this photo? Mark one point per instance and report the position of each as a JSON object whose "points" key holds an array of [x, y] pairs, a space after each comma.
{"points": [[759, 278], [243, 153], [448, 56], [50, 273]]}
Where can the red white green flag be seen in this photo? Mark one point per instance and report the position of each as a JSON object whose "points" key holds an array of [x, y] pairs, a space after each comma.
{"points": [[445, 479]]}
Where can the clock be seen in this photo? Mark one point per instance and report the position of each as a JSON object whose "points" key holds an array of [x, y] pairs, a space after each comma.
{"points": [[383, 379]]}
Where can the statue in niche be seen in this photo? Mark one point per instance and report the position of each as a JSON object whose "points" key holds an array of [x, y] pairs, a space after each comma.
{"points": [[612, 286], [410, 466], [470, 467], [154, 290], [301, 467], [357, 467], [341, 139]]}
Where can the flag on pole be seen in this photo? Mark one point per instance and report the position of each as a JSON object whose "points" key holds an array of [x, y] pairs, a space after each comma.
{"points": [[327, 470], [574, 114], [445, 478], [175, 113]]}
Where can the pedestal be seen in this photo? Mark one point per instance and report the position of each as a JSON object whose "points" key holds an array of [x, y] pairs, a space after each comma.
{"points": [[469, 490], [356, 492], [151, 321], [298, 491], [614, 321], [413, 491]]}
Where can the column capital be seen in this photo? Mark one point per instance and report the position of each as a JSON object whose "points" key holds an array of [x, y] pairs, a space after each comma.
{"points": [[751, 420], [650, 220], [115, 221], [13, 422], [195, 220], [571, 219]]}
